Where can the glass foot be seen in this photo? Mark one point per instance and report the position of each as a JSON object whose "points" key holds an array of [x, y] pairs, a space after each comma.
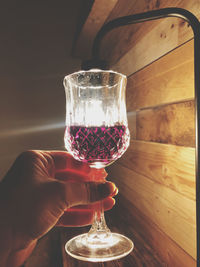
{"points": [[113, 247]]}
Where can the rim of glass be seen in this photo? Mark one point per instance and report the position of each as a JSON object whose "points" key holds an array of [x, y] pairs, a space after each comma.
{"points": [[94, 70]]}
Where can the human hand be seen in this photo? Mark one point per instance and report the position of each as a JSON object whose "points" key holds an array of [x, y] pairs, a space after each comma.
{"points": [[39, 192]]}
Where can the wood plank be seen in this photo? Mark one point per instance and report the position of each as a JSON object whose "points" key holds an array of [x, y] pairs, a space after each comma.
{"points": [[169, 210], [98, 14], [163, 35], [169, 165], [130, 35], [170, 79], [170, 124], [170, 253]]}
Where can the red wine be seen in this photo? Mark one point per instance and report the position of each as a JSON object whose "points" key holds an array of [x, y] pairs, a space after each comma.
{"points": [[98, 146]]}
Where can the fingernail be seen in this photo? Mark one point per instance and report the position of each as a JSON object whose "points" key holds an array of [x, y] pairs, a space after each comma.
{"points": [[114, 201], [115, 192]]}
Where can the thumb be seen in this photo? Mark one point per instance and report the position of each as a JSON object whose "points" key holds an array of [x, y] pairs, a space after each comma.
{"points": [[77, 193]]}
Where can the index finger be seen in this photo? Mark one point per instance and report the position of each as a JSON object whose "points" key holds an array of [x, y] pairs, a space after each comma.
{"points": [[97, 175], [63, 161], [67, 168]]}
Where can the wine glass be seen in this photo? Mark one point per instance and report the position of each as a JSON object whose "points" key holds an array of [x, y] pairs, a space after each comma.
{"points": [[97, 133]]}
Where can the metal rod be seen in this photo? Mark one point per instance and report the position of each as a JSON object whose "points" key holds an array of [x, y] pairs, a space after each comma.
{"points": [[195, 25]]}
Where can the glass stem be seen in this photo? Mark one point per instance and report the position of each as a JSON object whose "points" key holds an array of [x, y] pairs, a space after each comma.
{"points": [[99, 231]]}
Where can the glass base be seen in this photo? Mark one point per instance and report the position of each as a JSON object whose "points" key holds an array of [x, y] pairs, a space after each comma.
{"points": [[115, 246]]}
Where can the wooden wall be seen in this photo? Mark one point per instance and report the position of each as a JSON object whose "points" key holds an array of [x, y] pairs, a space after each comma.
{"points": [[157, 173]]}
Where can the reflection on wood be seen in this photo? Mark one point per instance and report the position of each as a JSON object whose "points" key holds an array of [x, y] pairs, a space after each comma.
{"points": [[169, 165], [173, 213], [172, 254]]}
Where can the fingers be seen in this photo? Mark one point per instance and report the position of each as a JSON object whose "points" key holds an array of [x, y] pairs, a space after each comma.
{"points": [[67, 168], [77, 175], [107, 204], [64, 161], [86, 193], [83, 215], [58, 164]]}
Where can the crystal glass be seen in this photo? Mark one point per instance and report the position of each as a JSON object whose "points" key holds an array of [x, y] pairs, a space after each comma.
{"points": [[97, 133]]}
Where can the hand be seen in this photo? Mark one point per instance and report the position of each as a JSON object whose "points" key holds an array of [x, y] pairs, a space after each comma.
{"points": [[39, 192]]}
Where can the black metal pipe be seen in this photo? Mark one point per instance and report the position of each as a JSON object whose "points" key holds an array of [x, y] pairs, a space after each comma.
{"points": [[195, 25]]}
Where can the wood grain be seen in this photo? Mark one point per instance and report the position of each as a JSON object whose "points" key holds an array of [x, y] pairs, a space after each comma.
{"points": [[170, 253], [132, 51], [170, 79], [126, 38], [132, 40], [169, 165], [169, 210], [157, 178], [163, 38], [170, 124]]}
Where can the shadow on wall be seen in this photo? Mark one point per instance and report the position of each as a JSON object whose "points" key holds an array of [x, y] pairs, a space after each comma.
{"points": [[35, 47]]}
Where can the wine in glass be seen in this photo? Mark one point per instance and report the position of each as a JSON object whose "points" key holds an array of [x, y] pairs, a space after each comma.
{"points": [[97, 133]]}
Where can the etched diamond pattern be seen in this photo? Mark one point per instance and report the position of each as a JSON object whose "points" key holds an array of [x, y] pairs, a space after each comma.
{"points": [[98, 143]]}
